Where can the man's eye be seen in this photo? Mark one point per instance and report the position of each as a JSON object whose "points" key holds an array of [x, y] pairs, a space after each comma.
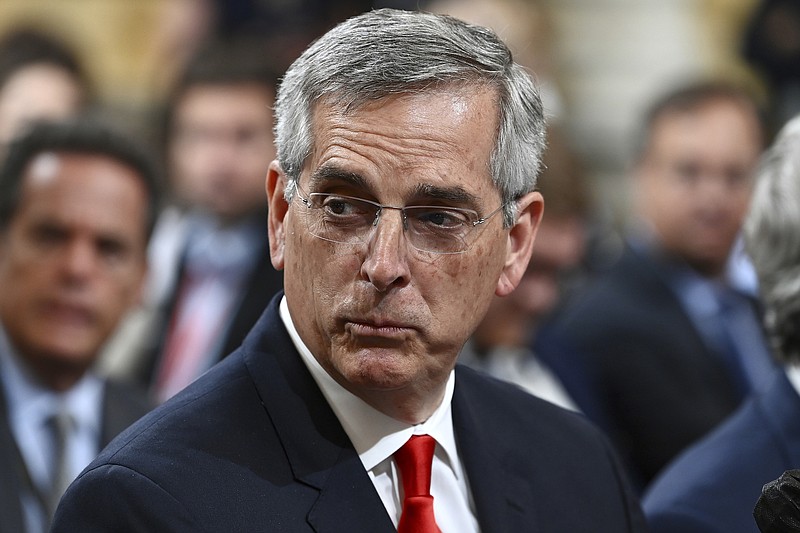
{"points": [[338, 206], [48, 235], [735, 177], [343, 207], [111, 248], [441, 218]]}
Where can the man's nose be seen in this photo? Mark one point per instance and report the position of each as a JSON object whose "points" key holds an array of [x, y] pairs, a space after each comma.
{"points": [[79, 259], [386, 261]]}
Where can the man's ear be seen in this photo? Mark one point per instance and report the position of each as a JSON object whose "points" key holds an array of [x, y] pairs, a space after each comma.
{"points": [[278, 208], [520, 242]]}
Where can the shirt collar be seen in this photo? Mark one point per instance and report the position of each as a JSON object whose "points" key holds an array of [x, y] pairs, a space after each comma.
{"points": [[698, 294], [375, 436], [30, 400], [213, 249], [793, 373]]}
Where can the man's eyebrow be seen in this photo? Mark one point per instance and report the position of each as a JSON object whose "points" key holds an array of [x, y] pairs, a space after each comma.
{"points": [[328, 173], [451, 194], [421, 192]]}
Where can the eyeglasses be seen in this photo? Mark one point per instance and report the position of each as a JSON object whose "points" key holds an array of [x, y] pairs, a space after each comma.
{"points": [[350, 220]]}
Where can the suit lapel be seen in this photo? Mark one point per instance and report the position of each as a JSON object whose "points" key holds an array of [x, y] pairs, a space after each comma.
{"points": [[780, 405], [12, 476], [348, 500], [262, 284], [318, 450], [502, 498]]}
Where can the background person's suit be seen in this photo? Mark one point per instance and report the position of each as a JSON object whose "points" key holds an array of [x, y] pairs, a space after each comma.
{"points": [[713, 486], [254, 446], [636, 364], [122, 405], [261, 284]]}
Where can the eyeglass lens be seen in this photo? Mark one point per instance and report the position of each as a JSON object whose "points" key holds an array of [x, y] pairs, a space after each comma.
{"points": [[352, 220]]}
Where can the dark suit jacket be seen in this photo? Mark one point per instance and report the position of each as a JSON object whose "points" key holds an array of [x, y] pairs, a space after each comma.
{"points": [[122, 405], [254, 446], [653, 384], [263, 282], [713, 487]]}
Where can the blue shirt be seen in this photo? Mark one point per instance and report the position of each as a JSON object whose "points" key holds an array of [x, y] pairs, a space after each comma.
{"points": [[724, 316], [30, 404]]}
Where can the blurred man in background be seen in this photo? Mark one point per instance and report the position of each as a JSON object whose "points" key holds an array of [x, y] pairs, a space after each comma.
{"points": [[714, 485], [667, 346], [77, 203], [210, 271]]}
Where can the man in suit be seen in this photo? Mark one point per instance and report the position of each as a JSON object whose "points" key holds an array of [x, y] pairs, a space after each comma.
{"points": [[714, 485], [210, 275], [667, 346], [77, 202], [401, 201]]}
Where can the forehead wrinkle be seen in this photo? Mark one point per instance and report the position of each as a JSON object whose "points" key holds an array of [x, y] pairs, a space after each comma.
{"points": [[356, 145], [417, 156], [414, 144], [418, 146]]}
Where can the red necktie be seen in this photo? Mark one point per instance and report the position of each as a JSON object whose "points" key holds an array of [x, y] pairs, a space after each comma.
{"points": [[414, 461]]}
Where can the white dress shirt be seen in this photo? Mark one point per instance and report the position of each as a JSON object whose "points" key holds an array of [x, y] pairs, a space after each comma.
{"points": [[376, 437]]}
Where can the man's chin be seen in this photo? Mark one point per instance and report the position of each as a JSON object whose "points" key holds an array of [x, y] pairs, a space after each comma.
{"points": [[379, 368], [710, 265], [65, 358], [59, 367]]}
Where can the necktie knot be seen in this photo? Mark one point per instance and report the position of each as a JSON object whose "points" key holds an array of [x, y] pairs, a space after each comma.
{"points": [[414, 460]]}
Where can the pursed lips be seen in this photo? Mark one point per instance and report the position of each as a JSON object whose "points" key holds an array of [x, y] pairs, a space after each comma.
{"points": [[377, 328]]}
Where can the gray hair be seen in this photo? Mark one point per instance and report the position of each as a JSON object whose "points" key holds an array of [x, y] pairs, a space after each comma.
{"points": [[772, 239], [386, 52]]}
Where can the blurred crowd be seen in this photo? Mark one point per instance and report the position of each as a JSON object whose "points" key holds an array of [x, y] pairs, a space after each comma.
{"points": [[658, 329]]}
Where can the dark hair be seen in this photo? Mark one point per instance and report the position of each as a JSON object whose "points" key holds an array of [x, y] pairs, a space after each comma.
{"points": [[26, 46], [562, 180], [223, 62], [81, 136], [689, 98]]}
